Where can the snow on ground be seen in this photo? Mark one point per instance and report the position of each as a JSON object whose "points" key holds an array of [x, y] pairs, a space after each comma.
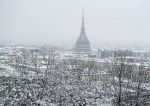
{"points": [[7, 71]]}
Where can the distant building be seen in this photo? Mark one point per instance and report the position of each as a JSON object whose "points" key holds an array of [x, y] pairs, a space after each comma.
{"points": [[99, 54], [82, 44], [104, 53]]}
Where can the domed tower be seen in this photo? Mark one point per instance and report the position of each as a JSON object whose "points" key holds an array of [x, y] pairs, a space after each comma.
{"points": [[82, 43]]}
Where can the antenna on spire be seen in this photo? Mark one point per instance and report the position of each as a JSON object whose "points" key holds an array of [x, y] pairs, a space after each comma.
{"points": [[83, 20]]}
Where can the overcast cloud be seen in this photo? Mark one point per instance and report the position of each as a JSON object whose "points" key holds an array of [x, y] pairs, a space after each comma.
{"points": [[59, 21]]}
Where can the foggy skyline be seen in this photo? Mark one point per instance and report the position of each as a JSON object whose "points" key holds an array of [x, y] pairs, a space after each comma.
{"points": [[125, 22]]}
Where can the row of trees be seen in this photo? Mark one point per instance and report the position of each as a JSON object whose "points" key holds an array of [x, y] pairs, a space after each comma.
{"points": [[45, 79], [129, 80]]}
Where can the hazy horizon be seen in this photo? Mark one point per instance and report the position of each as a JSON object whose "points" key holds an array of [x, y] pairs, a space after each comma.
{"points": [[107, 22]]}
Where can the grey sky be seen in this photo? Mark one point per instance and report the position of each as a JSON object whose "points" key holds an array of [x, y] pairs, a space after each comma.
{"points": [[59, 21]]}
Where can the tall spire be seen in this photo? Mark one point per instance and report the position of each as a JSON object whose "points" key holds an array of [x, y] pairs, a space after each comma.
{"points": [[82, 43], [82, 28]]}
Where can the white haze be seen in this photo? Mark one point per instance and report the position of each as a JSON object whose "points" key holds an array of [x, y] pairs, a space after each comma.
{"points": [[107, 22]]}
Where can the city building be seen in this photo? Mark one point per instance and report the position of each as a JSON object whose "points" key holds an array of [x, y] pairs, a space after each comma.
{"points": [[82, 44]]}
